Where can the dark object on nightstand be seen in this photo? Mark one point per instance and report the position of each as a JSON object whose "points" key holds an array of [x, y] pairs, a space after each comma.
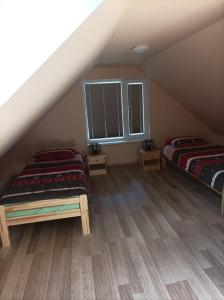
{"points": [[94, 148], [148, 145]]}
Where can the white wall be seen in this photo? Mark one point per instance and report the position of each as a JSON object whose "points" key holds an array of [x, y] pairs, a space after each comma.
{"points": [[193, 72], [66, 123]]}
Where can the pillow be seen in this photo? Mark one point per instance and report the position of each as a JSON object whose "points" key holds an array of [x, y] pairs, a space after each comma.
{"points": [[186, 141], [55, 154]]}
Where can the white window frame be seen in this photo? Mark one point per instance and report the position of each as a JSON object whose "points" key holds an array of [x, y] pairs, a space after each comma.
{"points": [[127, 137]]}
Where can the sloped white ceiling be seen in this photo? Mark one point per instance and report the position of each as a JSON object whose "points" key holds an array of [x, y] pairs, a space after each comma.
{"points": [[193, 72], [160, 24], [30, 33], [58, 75], [186, 56]]}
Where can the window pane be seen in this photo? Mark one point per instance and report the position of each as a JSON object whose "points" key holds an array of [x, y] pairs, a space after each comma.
{"points": [[104, 110], [135, 113], [113, 109], [95, 111]]}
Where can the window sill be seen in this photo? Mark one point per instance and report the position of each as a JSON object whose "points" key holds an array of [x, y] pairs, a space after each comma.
{"points": [[118, 142]]}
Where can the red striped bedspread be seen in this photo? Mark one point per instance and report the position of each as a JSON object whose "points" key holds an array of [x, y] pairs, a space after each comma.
{"points": [[48, 180], [200, 159]]}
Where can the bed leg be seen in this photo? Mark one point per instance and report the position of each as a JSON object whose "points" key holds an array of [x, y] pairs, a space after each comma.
{"points": [[163, 162], [222, 205], [84, 214], [4, 230]]}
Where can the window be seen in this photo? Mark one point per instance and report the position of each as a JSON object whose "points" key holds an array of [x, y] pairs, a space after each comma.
{"points": [[116, 110]]}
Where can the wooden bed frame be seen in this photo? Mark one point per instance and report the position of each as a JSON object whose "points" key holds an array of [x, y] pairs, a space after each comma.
{"points": [[5, 222], [82, 211], [164, 160]]}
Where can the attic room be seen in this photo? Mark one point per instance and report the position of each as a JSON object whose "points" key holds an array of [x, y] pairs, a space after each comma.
{"points": [[112, 150]]}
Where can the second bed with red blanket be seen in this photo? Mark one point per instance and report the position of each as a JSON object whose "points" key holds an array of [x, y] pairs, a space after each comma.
{"points": [[198, 158]]}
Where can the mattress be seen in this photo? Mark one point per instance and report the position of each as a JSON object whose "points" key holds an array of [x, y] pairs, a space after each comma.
{"points": [[48, 180], [201, 160]]}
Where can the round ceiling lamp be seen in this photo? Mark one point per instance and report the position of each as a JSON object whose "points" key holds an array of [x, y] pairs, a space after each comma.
{"points": [[140, 49]]}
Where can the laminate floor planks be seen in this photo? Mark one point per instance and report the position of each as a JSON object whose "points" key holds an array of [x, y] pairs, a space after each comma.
{"points": [[181, 290], [155, 235]]}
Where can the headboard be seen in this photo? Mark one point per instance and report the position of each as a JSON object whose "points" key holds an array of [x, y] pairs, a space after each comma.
{"points": [[38, 148], [166, 137]]}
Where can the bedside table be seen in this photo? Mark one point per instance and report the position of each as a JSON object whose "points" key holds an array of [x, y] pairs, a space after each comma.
{"points": [[97, 164], [149, 160]]}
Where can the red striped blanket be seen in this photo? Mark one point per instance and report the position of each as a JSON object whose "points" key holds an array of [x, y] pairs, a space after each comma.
{"points": [[48, 180], [200, 159]]}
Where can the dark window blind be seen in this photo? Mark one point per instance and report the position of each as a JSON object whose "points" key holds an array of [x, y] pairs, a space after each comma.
{"points": [[104, 110], [135, 113]]}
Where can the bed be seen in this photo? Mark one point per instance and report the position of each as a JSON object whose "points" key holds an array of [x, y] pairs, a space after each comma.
{"points": [[198, 158], [52, 186]]}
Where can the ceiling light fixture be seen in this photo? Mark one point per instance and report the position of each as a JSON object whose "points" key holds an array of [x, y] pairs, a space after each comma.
{"points": [[140, 49]]}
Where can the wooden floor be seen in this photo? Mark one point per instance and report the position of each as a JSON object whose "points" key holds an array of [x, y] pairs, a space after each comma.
{"points": [[154, 236]]}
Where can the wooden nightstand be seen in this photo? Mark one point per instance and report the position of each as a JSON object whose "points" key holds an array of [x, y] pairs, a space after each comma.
{"points": [[149, 160], [97, 164]]}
